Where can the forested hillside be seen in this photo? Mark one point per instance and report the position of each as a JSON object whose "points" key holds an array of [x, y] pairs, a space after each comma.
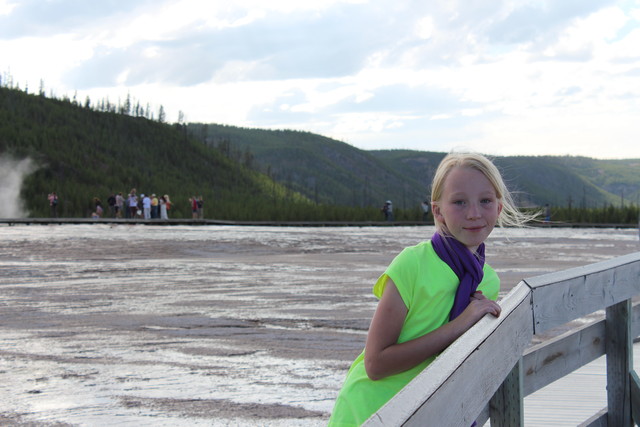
{"points": [[81, 153], [332, 171], [537, 180], [323, 169], [85, 151]]}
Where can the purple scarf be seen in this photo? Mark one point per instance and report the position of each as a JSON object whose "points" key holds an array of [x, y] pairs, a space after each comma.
{"points": [[466, 265]]}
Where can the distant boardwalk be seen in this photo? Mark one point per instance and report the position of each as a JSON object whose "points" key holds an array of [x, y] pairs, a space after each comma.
{"points": [[189, 221]]}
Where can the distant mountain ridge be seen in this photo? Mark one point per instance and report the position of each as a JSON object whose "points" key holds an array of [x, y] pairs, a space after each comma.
{"points": [[332, 171], [323, 169]]}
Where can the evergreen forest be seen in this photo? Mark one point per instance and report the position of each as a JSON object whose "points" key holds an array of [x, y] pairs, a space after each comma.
{"points": [[83, 154]]}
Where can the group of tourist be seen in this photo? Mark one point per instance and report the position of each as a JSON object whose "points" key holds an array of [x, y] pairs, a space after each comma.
{"points": [[133, 206]]}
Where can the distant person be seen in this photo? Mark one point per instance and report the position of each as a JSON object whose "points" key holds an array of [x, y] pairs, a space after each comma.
{"points": [[119, 205], [194, 207], [126, 209], [139, 212], [547, 213], [111, 202], [425, 210], [155, 207], [387, 210], [53, 204], [132, 202], [200, 205], [165, 205], [146, 206], [98, 207], [433, 292]]}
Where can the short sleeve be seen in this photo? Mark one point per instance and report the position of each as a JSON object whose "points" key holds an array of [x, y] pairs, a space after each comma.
{"points": [[402, 271], [490, 285]]}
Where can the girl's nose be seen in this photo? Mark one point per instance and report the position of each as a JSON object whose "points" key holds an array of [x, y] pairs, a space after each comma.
{"points": [[474, 211]]}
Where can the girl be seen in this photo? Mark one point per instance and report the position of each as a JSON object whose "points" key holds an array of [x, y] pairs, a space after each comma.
{"points": [[433, 292]]}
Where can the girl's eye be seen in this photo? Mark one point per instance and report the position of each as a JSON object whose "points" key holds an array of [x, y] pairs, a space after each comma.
{"points": [[486, 201], [458, 202]]}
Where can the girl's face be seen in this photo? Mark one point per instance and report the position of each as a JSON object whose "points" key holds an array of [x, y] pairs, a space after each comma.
{"points": [[469, 207]]}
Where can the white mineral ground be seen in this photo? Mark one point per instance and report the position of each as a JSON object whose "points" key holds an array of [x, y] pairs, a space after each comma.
{"points": [[212, 325]]}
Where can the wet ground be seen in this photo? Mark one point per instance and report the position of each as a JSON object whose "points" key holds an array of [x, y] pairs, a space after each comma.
{"points": [[211, 325]]}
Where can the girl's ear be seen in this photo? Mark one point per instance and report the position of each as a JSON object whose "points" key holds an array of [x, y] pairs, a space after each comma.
{"points": [[435, 208]]}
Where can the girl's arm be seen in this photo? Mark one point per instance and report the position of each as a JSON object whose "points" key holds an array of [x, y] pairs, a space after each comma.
{"points": [[384, 356]]}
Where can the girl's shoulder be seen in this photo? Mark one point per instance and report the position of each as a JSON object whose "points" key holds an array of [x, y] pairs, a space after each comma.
{"points": [[421, 246], [418, 251], [416, 258]]}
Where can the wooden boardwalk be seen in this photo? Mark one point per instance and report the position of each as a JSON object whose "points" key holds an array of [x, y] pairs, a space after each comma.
{"points": [[200, 222], [572, 399]]}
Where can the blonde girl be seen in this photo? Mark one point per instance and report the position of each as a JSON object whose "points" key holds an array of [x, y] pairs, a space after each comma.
{"points": [[433, 292]]}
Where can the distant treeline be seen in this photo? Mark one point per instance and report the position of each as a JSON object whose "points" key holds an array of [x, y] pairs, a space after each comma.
{"points": [[604, 215]]}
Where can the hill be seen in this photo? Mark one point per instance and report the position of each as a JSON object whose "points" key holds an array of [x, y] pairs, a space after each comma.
{"points": [[537, 180], [82, 153], [321, 168], [332, 171]]}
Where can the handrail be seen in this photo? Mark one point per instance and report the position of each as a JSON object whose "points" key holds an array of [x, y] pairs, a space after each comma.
{"points": [[487, 372]]}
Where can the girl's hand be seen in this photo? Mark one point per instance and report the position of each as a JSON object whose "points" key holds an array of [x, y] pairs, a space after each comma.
{"points": [[479, 305], [478, 295]]}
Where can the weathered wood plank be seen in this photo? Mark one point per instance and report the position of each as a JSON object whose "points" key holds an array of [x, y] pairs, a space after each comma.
{"points": [[597, 420], [570, 294], [551, 360], [454, 389], [483, 416], [619, 364], [507, 404], [635, 397], [560, 276], [635, 320]]}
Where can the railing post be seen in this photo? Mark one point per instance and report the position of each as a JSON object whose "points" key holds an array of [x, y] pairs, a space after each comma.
{"points": [[506, 407], [619, 347]]}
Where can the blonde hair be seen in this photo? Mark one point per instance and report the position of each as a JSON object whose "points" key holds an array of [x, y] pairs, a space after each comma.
{"points": [[510, 214]]}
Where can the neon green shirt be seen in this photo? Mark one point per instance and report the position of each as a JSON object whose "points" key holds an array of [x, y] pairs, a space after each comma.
{"points": [[427, 286]]}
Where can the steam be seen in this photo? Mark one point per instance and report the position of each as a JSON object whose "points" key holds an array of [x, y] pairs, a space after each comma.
{"points": [[12, 173]]}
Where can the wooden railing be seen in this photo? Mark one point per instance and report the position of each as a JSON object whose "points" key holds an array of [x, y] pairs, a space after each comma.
{"points": [[488, 371]]}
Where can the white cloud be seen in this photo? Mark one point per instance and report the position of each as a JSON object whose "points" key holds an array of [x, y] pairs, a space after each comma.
{"points": [[48, 59], [6, 6], [425, 28], [375, 74], [440, 117]]}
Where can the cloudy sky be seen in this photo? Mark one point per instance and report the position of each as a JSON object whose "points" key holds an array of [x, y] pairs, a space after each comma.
{"points": [[500, 77]]}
